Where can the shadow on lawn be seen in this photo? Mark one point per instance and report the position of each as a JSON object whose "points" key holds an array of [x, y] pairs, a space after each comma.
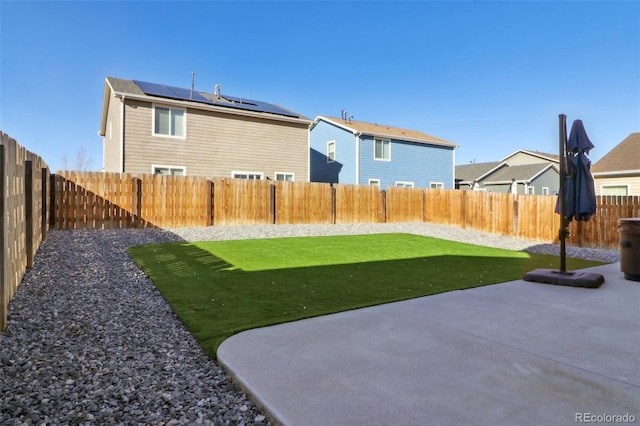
{"points": [[216, 300]]}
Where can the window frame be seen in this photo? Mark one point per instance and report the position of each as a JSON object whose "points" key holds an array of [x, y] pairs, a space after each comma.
{"points": [[404, 184], [374, 182], [170, 168], [614, 185], [170, 109], [545, 190], [375, 142], [531, 190], [331, 151], [248, 174], [438, 185], [293, 177]]}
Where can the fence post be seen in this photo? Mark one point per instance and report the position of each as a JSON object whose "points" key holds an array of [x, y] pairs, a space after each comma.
{"points": [[515, 216], [272, 203], [44, 177], [52, 200], [4, 282], [28, 211], [463, 208], [383, 207], [136, 201], [209, 206], [333, 203]]}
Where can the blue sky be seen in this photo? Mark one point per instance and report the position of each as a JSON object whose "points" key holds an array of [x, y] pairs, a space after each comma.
{"points": [[489, 76]]}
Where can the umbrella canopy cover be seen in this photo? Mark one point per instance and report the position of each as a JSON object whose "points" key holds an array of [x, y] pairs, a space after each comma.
{"points": [[579, 187]]}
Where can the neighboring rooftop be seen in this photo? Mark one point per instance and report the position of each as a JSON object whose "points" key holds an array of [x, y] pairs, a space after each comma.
{"points": [[383, 130], [472, 172], [522, 173], [544, 155], [143, 88], [623, 157]]}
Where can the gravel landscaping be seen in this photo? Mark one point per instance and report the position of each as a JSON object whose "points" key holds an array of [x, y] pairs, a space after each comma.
{"points": [[91, 341]]}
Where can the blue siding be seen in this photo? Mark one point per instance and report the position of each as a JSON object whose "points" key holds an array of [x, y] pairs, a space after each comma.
{"points": [[343, 169], [410, 162]]}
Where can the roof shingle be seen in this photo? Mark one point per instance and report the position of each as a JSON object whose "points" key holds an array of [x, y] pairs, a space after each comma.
{"points": [[624, 156], [387, 131]]}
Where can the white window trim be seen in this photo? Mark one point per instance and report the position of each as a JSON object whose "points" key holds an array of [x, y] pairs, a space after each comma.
{"points": [[404, 184], [331, 143], [234, 173], [153, 122], [293, 176], [439, 185], [374, 182], [531, 190], [545, 190], [374, 149], [164, 166], [615, 185]]}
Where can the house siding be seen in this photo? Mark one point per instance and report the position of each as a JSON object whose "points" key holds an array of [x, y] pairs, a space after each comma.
{"points": [[410, 162], [550, 179], [343, 169], [216, 144], [112, 146], [633, 183], [501, 188]]}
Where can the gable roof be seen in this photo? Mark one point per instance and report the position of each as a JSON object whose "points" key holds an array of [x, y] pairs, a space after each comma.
{"points": [[522, 173], [153, 92], [623, 157], [546, 156], [384, 131], [475, 172]]}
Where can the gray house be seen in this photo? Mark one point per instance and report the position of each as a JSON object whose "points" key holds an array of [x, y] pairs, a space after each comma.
{"points": [[523, 172]]}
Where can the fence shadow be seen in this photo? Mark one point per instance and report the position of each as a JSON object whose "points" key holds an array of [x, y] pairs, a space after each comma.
{"points": [[75, 207]]}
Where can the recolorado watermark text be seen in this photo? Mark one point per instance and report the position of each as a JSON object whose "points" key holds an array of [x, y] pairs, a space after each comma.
{"points": [[604, 418]]}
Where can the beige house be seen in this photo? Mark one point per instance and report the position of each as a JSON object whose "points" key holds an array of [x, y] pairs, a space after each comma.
{"points": [[154, 128], [618, 172]]}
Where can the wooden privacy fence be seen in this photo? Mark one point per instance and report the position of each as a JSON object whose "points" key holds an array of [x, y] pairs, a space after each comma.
{"points": [[108, 200], [24, 194]]}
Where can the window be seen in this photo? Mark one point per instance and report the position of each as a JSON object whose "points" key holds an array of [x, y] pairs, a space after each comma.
{"points": [[331, 151], [614, 190], [531, 190], [374, 182], [169, 170], [247, 175], [436, 185], [382, 149], [545, 190], [404, 184], [169, 121], [284, 176]]}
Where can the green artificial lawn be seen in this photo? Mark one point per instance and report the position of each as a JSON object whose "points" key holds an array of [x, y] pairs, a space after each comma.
{"points": [[223, 287]]}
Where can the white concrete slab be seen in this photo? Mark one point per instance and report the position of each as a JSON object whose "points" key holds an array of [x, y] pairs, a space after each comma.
{"points": [[517, 353]]}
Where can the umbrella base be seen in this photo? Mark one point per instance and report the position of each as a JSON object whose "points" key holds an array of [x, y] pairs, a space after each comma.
{"points": [[573, 279]]}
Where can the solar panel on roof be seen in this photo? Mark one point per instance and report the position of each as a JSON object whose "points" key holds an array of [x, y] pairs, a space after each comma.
{"points": [[253, 105], [171, 92]]}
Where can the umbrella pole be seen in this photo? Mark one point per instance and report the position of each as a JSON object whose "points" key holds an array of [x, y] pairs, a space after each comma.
{"points": [[562, 234]]}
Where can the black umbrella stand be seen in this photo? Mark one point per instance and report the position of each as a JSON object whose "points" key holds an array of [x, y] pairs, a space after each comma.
{"points": [[562, 276]]}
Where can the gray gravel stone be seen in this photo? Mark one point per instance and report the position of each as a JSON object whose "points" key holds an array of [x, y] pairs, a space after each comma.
{"points": [[91, 341]]}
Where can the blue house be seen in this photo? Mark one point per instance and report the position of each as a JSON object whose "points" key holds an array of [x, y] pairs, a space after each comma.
{"points": [[354, 152]]}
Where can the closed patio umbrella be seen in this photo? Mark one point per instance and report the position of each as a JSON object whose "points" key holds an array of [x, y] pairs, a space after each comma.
{"points": [[576, 200], [580, 194]]}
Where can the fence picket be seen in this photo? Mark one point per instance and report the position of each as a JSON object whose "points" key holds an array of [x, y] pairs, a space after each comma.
{"points": [[113, 200]]}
